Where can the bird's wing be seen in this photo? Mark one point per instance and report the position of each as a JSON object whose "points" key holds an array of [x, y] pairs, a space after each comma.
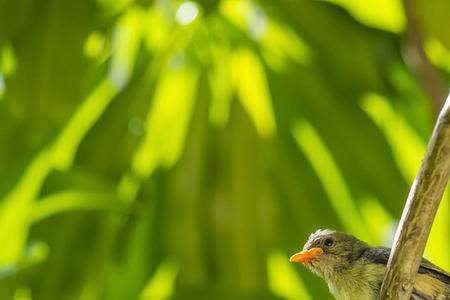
{"points": [[427, 268], [380, 255], [432, 282], [429, 287]]}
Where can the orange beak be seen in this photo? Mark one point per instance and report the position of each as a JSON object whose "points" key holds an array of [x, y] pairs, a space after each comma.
{"points": [[306, 256]]}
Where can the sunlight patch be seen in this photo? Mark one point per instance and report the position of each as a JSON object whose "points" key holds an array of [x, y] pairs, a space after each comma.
{"points": [[162, 284], [284, 281], [157, 30], [219, 78], [126, 40], [322, 161], [8, 60], [278, 41], [250, 82], [23, 293], [167, 121], [405, 143], [438, 54], [382, 14], [82, 120], [378, 219], [94, 45], [438, 246]]}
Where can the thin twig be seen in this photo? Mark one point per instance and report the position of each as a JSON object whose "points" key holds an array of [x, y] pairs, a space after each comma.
{"points": [[418, 215]]}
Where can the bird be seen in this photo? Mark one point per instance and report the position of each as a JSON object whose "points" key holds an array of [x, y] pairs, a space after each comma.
{"points": [[354, 270]]}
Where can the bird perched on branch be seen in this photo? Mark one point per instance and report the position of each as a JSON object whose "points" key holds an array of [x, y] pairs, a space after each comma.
{"points": [[355, 271]]}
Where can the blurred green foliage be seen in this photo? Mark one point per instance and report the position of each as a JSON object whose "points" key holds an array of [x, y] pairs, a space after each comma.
{"points": [[182, 150]]}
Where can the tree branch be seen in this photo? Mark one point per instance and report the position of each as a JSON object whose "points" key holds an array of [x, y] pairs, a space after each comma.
{"points": [[429, 74], [418, 215]]}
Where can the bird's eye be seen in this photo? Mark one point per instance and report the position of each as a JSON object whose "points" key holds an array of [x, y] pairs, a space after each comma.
{"points": [[328, 242]]}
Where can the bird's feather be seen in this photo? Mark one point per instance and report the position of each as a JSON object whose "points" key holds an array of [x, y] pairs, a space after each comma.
{"points": [[432, 282]]}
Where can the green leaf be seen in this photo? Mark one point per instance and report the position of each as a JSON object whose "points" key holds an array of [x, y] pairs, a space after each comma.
{"points": [[168, 119], [249, 80]]}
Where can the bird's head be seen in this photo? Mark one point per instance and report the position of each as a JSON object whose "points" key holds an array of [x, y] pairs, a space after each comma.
{"points": [[329, 253]]}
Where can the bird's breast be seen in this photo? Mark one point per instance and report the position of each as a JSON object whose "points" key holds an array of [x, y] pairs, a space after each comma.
{"points": [[362, 281]]}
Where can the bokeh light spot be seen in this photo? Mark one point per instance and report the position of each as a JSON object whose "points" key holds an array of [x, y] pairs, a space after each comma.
{"points": [[187, 13]]}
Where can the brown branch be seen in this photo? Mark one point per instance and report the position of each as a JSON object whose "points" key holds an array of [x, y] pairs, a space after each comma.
{"points": [[429, 74], [418, 215]]}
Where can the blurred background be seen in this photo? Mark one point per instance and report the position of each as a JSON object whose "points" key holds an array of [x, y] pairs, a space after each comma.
{"points": [[185, 149]]}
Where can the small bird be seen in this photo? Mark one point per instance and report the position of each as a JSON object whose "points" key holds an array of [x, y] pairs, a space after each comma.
{"points": [[355, 271]]}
